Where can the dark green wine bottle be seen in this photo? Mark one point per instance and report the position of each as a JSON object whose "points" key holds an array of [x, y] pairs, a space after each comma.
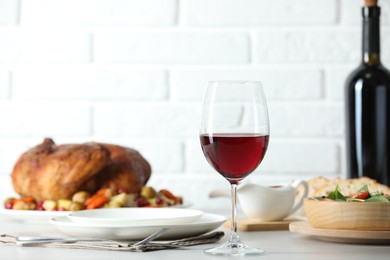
{"points": [[367, 99]]}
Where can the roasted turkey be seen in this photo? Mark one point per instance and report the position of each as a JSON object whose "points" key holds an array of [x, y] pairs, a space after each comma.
{"points": [[51, 172]]}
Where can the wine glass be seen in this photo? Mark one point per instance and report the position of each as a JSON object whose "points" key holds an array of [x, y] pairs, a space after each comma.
{"points": [[234, 136]]}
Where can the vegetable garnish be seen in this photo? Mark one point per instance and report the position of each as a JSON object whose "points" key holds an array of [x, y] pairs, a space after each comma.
{"points": [[362, 195], [337, 195]]}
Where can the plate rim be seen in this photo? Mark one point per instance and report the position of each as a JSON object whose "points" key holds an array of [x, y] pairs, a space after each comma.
{"points": [[166, 215], [212, 222], [56, 222], [32, 213]]}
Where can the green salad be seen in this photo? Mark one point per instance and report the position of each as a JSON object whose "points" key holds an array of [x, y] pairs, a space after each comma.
{"points": [[362, 195]]}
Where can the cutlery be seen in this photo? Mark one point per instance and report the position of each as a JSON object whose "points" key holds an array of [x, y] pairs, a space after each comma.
{"points": [[152, 237], [25, 240], [31, 240]]}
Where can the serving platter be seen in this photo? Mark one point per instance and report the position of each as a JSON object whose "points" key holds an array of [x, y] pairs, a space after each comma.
{"points": [[341, 235], [206, 223]]}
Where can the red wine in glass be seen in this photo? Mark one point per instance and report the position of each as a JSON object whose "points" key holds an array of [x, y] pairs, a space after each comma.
{"points": [[234, 155], [234, 135]]}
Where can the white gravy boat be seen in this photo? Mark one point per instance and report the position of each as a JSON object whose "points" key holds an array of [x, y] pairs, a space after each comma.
{"points": [[268, 203]]}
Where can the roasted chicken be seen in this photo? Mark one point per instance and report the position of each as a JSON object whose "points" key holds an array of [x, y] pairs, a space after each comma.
{"points": [[50, 171]]}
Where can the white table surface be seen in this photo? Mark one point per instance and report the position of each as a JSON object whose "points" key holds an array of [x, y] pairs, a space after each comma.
{"points": [[279, 245]]}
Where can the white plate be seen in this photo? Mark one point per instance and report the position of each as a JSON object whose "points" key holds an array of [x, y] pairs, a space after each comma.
{"points": [[135, 216], [206, 223], [45, 216], [32, 215]]}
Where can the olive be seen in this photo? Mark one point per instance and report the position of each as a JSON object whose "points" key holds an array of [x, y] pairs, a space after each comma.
{"points": [[121, 199], [113, 204], [76, 206], [148, 192]]}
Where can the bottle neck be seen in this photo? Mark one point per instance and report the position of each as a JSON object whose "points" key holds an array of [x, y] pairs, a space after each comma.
{"points": [[371, 36]]}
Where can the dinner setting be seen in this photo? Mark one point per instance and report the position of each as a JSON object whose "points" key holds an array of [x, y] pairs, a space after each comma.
{"points": [[197, 129]]}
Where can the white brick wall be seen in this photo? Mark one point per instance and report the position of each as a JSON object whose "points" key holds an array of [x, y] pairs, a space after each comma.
{"points": [[133, 72], [260, 12], [9, 12], [353, 18], [188, 84], [27, 119], [85, 83], [146, 120], [44, 46], [172, 47], [5, 80], [99, 12], [325, 45]]}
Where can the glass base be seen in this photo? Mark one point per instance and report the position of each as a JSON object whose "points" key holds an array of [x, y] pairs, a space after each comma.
{"points": [[234, 249]]}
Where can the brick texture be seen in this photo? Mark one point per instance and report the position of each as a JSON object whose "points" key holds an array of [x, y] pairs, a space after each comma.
{"points": [[260, 12], [351, 12], [335, 81], [190, 84], [99, 12], [5, 80], [9, 12], [44, 46], [307, 46], [68, 83], [172, 47], [44, 119], [310, 120], [155, 120]]}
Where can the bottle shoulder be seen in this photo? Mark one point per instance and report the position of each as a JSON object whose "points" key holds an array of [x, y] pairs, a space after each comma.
{"points": [[378, 73], [362, 68]]}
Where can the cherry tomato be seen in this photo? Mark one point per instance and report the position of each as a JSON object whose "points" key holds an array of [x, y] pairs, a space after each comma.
{"points": [[9, 205], [40, 205], [362, 195], [159, 201], [140, 202]]}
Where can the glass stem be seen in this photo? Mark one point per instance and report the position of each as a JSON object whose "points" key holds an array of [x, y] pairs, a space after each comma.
{"points": [[234, 238]]}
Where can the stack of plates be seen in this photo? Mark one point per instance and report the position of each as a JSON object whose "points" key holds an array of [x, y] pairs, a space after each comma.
{"points": [[137, 223]]}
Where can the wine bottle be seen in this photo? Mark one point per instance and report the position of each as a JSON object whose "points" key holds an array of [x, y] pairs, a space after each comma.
{"points": [[367, 99]]}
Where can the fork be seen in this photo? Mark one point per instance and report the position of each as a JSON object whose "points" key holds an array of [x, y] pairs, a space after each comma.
{"points": [[152, 237], [26, 240]]}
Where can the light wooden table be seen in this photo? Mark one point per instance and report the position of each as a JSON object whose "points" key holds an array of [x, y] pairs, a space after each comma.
{"points": [[279, 245]]}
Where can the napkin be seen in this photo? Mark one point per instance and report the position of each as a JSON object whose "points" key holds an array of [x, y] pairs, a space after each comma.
{"points": [[7, 239]]}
